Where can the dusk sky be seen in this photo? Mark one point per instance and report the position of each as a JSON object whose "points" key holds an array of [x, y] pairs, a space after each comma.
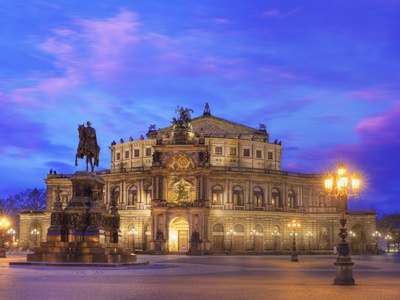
{"points": [[323, 76]]}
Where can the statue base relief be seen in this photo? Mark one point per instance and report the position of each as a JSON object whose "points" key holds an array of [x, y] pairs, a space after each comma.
{"points": [[84, 232]]}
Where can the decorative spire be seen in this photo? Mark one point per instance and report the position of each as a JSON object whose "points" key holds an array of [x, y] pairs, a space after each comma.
{"points": [[207, 111]]}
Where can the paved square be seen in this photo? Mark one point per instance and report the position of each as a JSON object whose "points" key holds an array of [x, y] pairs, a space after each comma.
{"points": [[205, 277]]}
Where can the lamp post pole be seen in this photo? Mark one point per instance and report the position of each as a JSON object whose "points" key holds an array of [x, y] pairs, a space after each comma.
{"points": [[337, 186], [231, 233], [132, 233], [11, 232], [351, 234], [388, 238], [376, 235], [293, 225], [275, 234], [3, 225], [309, 234], [253, 233]]}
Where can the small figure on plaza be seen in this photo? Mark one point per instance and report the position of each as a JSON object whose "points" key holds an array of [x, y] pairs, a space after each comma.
{"points": [[88, 146]]}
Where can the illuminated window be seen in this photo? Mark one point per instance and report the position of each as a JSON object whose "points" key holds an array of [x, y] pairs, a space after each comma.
{"points": [[218, 150], [258, 197], [292, 199], [217, 195], [149, 194], [132, 195], [275, 199], [238, 196]]}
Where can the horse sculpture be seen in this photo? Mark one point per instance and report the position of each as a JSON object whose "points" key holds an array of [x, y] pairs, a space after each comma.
{"points": [[88, 146]]}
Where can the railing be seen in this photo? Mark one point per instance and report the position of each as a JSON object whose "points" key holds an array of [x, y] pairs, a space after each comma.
{"points": [[239, 208], [218, 207], [265, 171]]}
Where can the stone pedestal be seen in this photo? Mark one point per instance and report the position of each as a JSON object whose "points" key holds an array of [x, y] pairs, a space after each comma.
{"points": [[344, 273], [85, 231]]}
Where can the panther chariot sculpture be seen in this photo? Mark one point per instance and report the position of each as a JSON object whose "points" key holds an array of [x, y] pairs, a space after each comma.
{"points": [[88, 146]]}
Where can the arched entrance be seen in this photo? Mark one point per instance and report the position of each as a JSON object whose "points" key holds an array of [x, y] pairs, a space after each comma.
{"points": [[178, 235]]}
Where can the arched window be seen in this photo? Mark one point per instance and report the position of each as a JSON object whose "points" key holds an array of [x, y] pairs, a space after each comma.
{"points": [[291, 199], [258, 197], [238, 196], [149, 194], [132, 195], [259, 228], [217, 195], [238, 228], [218, 228], [276, 198]]}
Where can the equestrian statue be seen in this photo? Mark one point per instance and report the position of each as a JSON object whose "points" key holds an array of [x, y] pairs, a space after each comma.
{"points": [[88, 146]]}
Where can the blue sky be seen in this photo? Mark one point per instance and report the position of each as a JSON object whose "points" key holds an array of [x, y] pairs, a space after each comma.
{"points": [[322, 75]]}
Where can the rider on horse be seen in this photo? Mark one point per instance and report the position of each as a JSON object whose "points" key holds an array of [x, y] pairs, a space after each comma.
{"points": [[88, 146]]}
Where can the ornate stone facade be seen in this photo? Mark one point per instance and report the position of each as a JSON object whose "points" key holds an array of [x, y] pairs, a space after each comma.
{"points": [[198, 179]]}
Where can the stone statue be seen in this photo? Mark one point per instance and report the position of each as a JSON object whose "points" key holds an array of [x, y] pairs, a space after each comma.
{"points": [[88, 146], [184, 120], [159, 235]]}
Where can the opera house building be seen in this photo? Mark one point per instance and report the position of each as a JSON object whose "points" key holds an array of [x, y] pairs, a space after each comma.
{"points": [[206, 185]]}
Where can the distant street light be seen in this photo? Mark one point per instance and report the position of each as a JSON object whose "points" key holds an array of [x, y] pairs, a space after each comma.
{"points": [[388, 238], [11, 232], [351, 235], [3, 225], [35, 234], [132, 233], [293, 225], [309, 234], [337, 187], [376, 235], [231, 233], [253, 233], [275, 234]]}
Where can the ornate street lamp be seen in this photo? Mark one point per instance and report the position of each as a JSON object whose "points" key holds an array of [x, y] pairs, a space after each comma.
{"points": [[388, 238], [132, 233], [3, 225], [253, 233], [376, 235], [35, 234], [231, 233], [275, 234], [337, 186], [309, 234], [351, 235], [293, 225]]}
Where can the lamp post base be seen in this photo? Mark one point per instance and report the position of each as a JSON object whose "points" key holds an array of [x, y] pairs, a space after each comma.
{"points": [[294, 257], [344, 273]]}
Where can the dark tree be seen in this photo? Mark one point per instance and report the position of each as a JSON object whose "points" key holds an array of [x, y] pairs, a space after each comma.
{"points": [[30, 199], [390, 225]]}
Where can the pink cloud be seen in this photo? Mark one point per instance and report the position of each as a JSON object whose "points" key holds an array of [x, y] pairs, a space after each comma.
{"points": [[376, 93], [385, 127]]}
